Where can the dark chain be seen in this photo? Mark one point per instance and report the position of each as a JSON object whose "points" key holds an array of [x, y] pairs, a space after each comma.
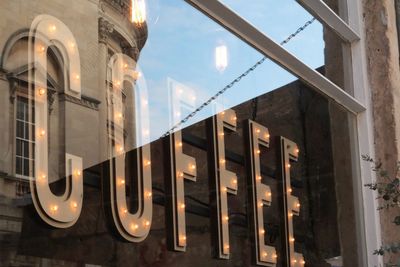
{"points": [[235, 81]]}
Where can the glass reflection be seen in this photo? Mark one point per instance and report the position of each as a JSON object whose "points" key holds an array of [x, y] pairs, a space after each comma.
{"points": [[178, 60]]}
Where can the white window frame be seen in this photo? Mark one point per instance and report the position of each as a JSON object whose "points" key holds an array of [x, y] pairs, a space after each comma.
{"points": [[351, 30]]}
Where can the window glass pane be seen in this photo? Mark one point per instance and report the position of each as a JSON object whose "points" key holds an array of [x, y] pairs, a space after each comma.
{"points": [[188, 68], [18, 167], [20, 129], [19, 144], [20, 110], [26, 131], [279, 19], [26, 167], [26, 149]]}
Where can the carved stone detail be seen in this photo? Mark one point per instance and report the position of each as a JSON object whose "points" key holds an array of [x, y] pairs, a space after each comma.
{"points": [[105, 29], [13, 90], [83, 101], [131, 51], [122, 6]]}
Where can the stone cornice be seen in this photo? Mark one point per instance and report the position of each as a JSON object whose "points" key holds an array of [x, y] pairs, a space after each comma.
{"points": [[84, 101]]}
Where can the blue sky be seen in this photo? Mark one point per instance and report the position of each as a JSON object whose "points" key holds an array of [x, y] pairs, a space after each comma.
{"points": [[181, 47]]}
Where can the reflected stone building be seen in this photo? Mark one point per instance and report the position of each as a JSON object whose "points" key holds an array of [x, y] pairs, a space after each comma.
{"points": [[101, 29]]}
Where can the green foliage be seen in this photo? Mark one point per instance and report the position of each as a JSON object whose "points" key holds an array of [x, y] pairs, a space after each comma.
{"points": [[388, 189]]}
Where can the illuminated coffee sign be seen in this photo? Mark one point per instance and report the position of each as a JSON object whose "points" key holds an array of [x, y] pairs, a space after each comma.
{"points": [[63, 211]]}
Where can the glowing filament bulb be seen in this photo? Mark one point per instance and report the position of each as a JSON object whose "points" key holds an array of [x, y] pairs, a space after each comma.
{"points": [[42, 91], [147, 223], [119, 115], [290, 190], [78, 173], [136, 75], [259, 178], [148, 163], [290, 214], [125, 211], [52, 28], [267, 136], [222, 134], [298, 205], [121, 182], [222, 161], [74, 205], [269, 194], [226, 246], [275, 256], [288, 165], [226, 218], [234, 181], [42, 48], [262, 231], [303, 262], [42, 133], [292, 239], [224, 189], [179, 144], [54, 208], [221, 58], [182, 206], [41, 179], [149, 194], [138, 12], [77, 77], [234, 118], [193, 166], [258, 151], [182, 240], [297, 151], [258, 131], [265, 254], [125, 66], [181, 174], [134, 226], [294, 261], [260, 204]]}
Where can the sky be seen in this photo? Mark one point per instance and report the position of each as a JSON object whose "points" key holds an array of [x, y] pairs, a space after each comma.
{"points": [[180, 53]]}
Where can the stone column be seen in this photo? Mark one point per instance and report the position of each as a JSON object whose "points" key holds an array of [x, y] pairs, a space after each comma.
{"points": [[105, 29], [384, 78]]}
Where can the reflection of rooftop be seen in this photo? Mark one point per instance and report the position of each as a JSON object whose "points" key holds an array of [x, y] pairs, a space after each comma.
{"points": [[124, 7]]}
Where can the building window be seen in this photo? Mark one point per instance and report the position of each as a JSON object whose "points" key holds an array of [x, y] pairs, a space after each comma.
{"points": [[24, 156]]}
